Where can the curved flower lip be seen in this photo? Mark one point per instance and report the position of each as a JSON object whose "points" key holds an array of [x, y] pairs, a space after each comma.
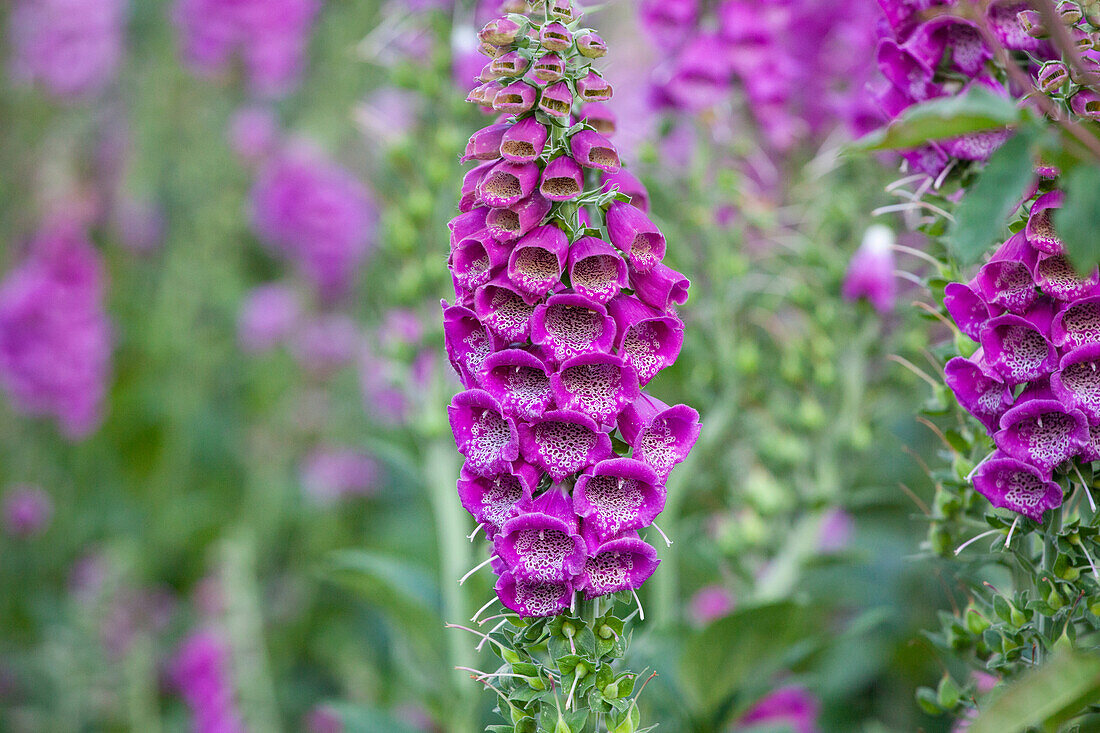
{"points": [[508, 225], [536, 263], [606, 524], [930, 39], [1022, 422], [469, 197], [600, 116], [555, 37], [477, 423], [541, 448], [508, 183], [485, 93], [906, 72], [966, 307], [1039, 230], [501, 307], [594, 88], [515, 98], [524, 141], [486, 501], [1091, 450], [533, 600], [660, 435], [596, 270], [548, 68], [562, 179], [660, 286], [1086, 400], [593, 150], [499, 31], [635, 235], [508, 548], [591, 46], [1057, 277], [1017, 486], [466, 224], [646, 339], [467, 342], [630, 574], [556, 100], [476, 258], [625, 181], [525, 401], [1072, 327], [1009, 356], [1006, 279], [605, 404], [983, 395], [512, 63], [550, 326], [1086, 103], [485, 143]]}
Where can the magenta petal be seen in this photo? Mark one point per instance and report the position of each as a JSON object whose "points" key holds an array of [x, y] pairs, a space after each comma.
{"points": [[1040, 229], [537, 261], [966, 307], [493, 500], [661, 287], [532, 599], [631, 231], [1006, 280], [568, 325], [596, 270], [626, 183], [483, 434], [505, 310], [618, 565], [1077, 324], [1016, 350], [468, 343], [1059, 279], [599, 385], [647, 340], [1077, 381], [508, 183], [618, 495], [563, 442], [981, 394], [562, 179], [1017, 486], [1042, 432], [593, 150], [661, 436], [519, 381], [508, 225], [524, 141], [540, 547]]}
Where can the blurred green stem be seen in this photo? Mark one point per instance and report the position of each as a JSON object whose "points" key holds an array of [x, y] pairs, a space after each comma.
{"points": [[1050, 555]]}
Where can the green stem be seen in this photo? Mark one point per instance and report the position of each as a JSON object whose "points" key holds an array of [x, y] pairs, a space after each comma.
{"points": [[1050, 555]]}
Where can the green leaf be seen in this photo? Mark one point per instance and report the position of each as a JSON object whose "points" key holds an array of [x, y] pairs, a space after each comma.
{"points": [[405, 590], [1048, 696], [983, 214], [978, 110], [1078, 221]]}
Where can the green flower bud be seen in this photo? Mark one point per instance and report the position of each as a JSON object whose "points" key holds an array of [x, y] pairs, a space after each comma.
{"points": [[976, 622], [611, 691], [606, 632], [580, 671], [568, 630], [948, 693], [1016, 616]]}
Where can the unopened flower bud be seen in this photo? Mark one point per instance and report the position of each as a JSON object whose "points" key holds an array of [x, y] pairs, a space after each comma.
{"points": [[1069, 11], [561, 10], [1032, 23], [555, 37], [1086, 103], [488, 73], [499, 32], [1053, 76], [594, 88], [516, 98], [512, 63], [484, 94], [556, 100], [524, 141], [591, 45], [549, 68]]}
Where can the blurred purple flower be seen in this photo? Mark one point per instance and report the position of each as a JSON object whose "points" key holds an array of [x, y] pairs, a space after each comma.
{"points": [[710, 603], [871, 270], [27, 510], [835, 530], [326, 342], [200, 670], [270, 313], [401, 326], [72, 47], [271, 35], [792, 706], [254, 133], [55, 339], [331, 474], [322, 719], [389, 115], [316, 214], [140, 224]]}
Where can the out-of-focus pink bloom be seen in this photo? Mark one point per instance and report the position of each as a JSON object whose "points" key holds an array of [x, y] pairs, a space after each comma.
{"points": [[835, 530], [139, 223], [200, 671], [323, 719], [271, 36], [330, 474], [55, 339], [27, 510], [792, 706], [401, 326], [72, 47], [254, 133], [326, 343], [871, 271], [317, 214], [466, 66], [381, 397], [710, 603], [388, 115], [270, 313]]}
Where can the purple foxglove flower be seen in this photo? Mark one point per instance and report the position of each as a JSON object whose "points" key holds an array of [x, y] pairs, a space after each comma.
{"points": [[515, 99], [561, 10], [510, 64], [562, 179], [966, 308], [73, 49], [468, 343], [524, 141], [570, 324], [835, 531], [484, 435], [701, 76], [599, 385], [556, 100], [968, 51], [1053, 76], [485, 94], [504, 309], [594, 88], [635, 235], [975, 145], [1006, 279], [593, 150], [555, 37], [548, 68], [617, 565], [508, 183], [1056, 276], [601, 118], [1077, 324], [494, 500], [268, 316], [1077, 381], [469, 195], [647, 340], [980, 393], [661, 436], [1003, 17], [467, 224], [1086, 103], [1091, 450], [788, 707], [508, 225], [200, 670], [591, 46], [871, 270], [596, 270], [326, 342], [485, 143], [1017, 486], [711, 603], [488, 49], [27, 510], [660, 287], [537, 261], [541, 546], [476, 258], [1040, 229], [1042, 432], [532, 599], [490, 71], [519, 381], [626, 183], [1017, 348], [330, 475], [563, 442], [254, 133], [906, 72], [499, 32], [618, 495]]}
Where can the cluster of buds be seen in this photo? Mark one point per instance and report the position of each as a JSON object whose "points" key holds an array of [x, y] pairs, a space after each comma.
{"points": [[1034, 381], [800, 64], [564, 311]]}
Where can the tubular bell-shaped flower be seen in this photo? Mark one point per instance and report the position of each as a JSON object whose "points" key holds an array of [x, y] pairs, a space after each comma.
{"points": [[599, 385], [1006, 280], [661, 436], [563, 442], [632, 232], [966, 307], [1040, 229], [504, 309], [568, 325], [533, 598], [493, 500], [1041, 432], [468, 342], [518, 380], [538, 260], [647, 340], [1078, 324], [1017, 486], [1077, 381], [484, 435], [980, 393], [1017, 348], [596, 270], [543, 544], [617, 565], [618, 495]]}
